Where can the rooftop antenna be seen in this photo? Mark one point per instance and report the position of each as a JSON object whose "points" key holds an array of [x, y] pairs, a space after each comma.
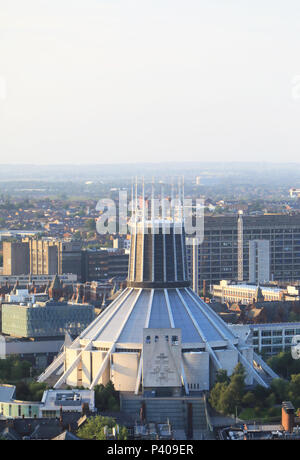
{"points": [[179, 200], [132, 204], [152, 200], [162, 202], [143, 198], [172, 199], [136, 198], [182, 209]]}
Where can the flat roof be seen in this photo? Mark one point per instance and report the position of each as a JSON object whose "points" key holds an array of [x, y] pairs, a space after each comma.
{"points": [[7, 392], [53, 399], [269, 325]]}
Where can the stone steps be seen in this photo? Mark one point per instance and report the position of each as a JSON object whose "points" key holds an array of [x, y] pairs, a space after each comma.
{"points": [[174, 410]]}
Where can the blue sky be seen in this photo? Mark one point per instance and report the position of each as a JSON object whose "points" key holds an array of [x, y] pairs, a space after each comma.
{"points": [[106, 81]]}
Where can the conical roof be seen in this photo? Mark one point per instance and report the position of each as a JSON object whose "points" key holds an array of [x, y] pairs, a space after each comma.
{"points": [[158, 295], [135, 309]]}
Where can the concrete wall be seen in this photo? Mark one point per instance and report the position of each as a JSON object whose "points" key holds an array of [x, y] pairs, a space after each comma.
{"points": [[228, 359], [161, 358], [71, 355], [247, 352], [196, 368], [124, 370]]}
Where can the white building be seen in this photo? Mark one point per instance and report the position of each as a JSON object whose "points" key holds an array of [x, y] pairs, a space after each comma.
{"points": [[259, 261]]}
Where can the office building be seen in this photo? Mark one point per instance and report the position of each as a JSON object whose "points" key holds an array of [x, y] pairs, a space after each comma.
{"points": [[244, 294], [225, 254], [99, 265], [37, 280], [15, 258], [45, 256], [259, 261], [272, 338], [45, 319]]}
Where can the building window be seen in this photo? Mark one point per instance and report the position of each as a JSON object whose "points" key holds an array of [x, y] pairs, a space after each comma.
{"points": [[266, 333], [289, 332], [174, 340], [148, 339], [266, 341]]}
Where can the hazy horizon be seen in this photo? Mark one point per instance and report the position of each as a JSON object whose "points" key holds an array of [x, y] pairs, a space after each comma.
{"points": [[131, 81]]}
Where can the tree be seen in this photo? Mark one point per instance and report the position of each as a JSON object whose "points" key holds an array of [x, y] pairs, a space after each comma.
{"points": [[216, 394], [106, 397], [280, 388], [248, 399], [226, 396], [94, 428], [294, 389], [284, 364], [239, 370], [222, 376]]}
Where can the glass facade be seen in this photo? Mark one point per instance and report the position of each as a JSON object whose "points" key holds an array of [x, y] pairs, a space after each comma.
{"points": [[50, 320], [218, 254]]}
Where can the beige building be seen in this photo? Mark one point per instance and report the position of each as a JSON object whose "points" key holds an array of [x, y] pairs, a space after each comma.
{"points": [[244, 293], [15, 258], [42, 257]]}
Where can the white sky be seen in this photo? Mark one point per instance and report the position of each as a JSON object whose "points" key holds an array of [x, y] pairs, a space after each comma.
{"points": [[102, 81]]}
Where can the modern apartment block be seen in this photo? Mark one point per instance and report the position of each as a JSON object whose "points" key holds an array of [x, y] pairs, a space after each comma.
{"points": [[225, 251]]}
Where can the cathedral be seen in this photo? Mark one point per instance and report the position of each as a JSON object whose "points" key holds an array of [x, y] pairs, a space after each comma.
{"points": [[157, 335]]}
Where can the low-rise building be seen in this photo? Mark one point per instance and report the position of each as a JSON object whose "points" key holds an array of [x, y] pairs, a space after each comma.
{"points": [[230, 292], [272, 338], [53, 403], [46, 319]]}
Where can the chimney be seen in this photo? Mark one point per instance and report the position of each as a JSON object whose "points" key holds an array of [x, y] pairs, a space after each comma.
{"points": [[287, 416]]}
